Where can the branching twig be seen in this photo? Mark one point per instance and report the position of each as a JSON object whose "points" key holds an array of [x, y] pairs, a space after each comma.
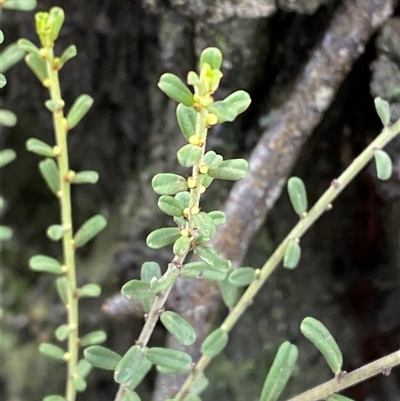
{"points": [[275, 154]]}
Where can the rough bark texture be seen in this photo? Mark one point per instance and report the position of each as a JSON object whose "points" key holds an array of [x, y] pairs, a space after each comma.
{"points": [[295, 58]]}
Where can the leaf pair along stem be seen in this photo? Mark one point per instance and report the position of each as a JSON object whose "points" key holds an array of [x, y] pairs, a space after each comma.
{"points": [[320, 207]]}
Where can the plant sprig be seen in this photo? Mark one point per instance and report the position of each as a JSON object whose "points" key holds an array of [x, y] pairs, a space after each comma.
{"points": [[59, 178]]}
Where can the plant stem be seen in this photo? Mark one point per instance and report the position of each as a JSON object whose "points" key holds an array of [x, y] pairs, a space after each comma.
{"points": [[380, 366], [322, 205], [158, 305], [64, 196]]}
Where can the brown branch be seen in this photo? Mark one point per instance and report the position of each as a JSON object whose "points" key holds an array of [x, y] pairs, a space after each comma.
{"points": [[274, 156]]}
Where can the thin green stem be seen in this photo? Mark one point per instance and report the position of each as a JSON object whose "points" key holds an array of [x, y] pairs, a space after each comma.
{"points": [[158, 305], [322, 205], [64, 196], [380, 366]]}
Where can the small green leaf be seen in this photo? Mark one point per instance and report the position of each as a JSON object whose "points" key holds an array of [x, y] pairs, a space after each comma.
{"points": [[93, 338], [79, 384], [7, 118], [39, 147], [169, 358], [55, 232], [136, 289], [6, 157], [56, 20], [68, 53], [383, 109], [242, 276], [37, 65], [62, 332], [54, 398], [78, 110], [201, 269], [86, 177], [178, 327], [28, 46], [128, 364], [49, 170], [53, 106], [181, 246], [89, 229], [230, 293], [174, 88], [218, 217], [193, 78], [42, 263], [234, 169], [168, 184], [150, 270], [320, 336], [212, 159], [5, 233], [280, 372], [101, 357], [292, 254], [212, 56], [187, 120], [140, 373], [338, 397], [3, 81], [210, 256], [298, 195], [166, 281], [22, 5], [215, 342], [183, 198], [240, 100], [205, 225], [83, 368], [52, 351], [10, 56], [162, 237], [223, 111], [192, 397], [90, 290], [170, 206], [384, 165], [188, 155], [62, 285], [130, 396]]}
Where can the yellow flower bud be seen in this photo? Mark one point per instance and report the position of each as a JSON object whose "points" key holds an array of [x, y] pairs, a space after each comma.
{"points": [[195, 140], [202, 189], [185, 232], [203, 169], [194, 210], [191, 182], [186, 212], [211, 119]]}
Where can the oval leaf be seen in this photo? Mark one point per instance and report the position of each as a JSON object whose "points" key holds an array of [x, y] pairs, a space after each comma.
{"points": [[140, 373], [28, 46], [320, 336], [89, 291], [128, 364], [52, 351], [162, 237], [292, 255], [62, 285], [202, 269], [55, 232], [242, 276], [39, 147], [169, 358], [150, 270], [215, 342], [178, 327], [46, 264], [37, 65], [223, 111], [187, 120], [84, 368], [6, 157], [101, 357], [384, 165], [130, 396], [86, 177], [181, 246], [170, 206], [7, 118], [173, 87], [210, 256], [218, 217], [68, 53], [280, 372], [383, 109], [168, 184], [62, 332], [188, 155], [212, 56], [49, 170], [240, 100], [136, 289], [10, 56], [205, 225], [78, 110], [298, 195], [89, 229], [93, 338], [234, 169]]}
